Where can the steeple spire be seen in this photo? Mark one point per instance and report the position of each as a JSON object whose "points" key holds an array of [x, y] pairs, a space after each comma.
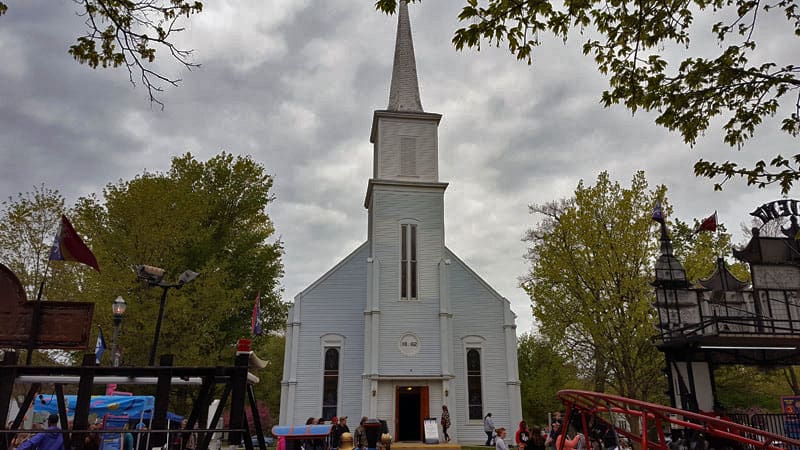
{"points": [[404, 92]]}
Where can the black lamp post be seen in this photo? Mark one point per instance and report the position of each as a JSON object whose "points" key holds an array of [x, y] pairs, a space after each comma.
{"points": [[118, 308], [154, 276]]}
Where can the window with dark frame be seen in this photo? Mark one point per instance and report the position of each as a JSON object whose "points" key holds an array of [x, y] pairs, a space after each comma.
{"points": [[408, 261], [474, 393], [330, 383]]}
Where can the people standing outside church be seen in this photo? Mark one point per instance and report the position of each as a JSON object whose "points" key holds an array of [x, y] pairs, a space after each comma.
{"points": [[555, 430], [500, 439], [343, 424], [523, 436], [336, 433], [360, 436], [537, 439], [488, 428], [46, 441], [445, 422]]}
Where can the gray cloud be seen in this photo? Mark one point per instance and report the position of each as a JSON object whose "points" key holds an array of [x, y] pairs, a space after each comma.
{"points": [[294, 84]]}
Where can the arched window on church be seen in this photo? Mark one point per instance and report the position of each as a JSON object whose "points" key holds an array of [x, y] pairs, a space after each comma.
{"points": [[408, 261], [330, 383], [474, 392]]}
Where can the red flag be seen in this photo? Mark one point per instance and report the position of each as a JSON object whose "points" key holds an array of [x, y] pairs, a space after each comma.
{"points": [[68, 246], [255, 321], [708, 224]]}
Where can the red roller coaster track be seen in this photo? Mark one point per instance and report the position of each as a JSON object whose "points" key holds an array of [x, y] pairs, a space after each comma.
{"points": [[649, 425]]}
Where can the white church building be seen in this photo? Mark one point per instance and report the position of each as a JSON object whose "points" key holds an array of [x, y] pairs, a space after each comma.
{"points": [[402, 326]]}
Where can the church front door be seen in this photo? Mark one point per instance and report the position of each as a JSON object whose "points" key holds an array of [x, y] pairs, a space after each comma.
{"points": [[411, 407]]}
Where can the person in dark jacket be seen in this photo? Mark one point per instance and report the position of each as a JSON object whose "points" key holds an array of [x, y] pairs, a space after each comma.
{"points": [[46, 441]]}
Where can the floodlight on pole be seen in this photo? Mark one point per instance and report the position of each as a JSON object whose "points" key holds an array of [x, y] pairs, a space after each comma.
{"points": [[154, 276]]}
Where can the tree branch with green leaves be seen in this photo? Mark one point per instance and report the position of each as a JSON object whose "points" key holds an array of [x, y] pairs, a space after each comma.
{"points": [[129, 33], [738, 85]]}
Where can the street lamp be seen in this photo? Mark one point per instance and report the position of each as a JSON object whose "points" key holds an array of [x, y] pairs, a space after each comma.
{"points": [[118, 308], [154, 276]]}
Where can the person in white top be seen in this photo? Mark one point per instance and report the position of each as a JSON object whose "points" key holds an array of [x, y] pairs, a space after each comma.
{"points": [[499, 440], [488, 428]]}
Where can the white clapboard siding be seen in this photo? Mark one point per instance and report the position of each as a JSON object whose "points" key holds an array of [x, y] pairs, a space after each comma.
{"points": [[478, 312], [424, 207], [334, 304], [389, 151]]}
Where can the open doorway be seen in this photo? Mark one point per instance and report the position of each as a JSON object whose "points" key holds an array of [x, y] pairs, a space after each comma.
{"points": [[411, 408]]}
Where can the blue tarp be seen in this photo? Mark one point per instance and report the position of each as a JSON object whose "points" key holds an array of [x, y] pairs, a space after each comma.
{"points": [[130, 405]]}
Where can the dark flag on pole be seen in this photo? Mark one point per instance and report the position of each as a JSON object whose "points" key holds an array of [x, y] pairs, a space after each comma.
{"points": [[708, 224], [658, 213], [69, 246], [255, 321]]}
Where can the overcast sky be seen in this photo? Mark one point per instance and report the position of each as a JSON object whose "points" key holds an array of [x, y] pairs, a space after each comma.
{"points": [[294, 83]]}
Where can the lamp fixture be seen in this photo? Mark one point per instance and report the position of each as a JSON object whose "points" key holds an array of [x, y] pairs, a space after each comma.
{"points": [[118, 306]]}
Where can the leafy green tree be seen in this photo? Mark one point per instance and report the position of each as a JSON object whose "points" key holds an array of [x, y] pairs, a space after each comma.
{"points": [[209, 217], [698, 252], [543, 372], [733, 84], [28, 225], [744, 387], [591, 261], [271, 349], [128, 33]]}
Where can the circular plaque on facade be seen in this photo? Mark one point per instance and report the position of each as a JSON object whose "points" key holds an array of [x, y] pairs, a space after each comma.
{"points": [[409, 344]]}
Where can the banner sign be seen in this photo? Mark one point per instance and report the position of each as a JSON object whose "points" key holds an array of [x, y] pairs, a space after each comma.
{"points": [[777, 208], [791, 421]]}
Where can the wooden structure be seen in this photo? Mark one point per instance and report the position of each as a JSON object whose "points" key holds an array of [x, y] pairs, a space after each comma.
{"points": [[236, 393], [722, 320]]}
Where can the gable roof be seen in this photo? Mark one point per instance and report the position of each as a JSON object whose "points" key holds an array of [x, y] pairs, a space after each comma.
{"points": [[478, 278], [330, 272]]}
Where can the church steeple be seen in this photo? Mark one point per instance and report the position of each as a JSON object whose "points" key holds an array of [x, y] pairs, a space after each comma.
{"points": [[404, 92]]}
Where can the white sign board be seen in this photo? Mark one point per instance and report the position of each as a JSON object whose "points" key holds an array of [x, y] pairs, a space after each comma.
{"points": [[431, 428]]}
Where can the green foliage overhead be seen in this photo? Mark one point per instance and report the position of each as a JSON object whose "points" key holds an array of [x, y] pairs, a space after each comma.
{"points": [[736, 83], [591, 261], [209, 217], [543, 372], [128, 32]]}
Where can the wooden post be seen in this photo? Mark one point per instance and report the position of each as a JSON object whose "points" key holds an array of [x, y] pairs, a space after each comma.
{"points": [[251, 396], [217, 414], [80, 422], [62, 415], [162, 400], [7, 377], [238, 382]]}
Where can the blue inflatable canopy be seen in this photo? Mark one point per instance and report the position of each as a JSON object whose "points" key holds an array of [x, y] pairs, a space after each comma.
{"points": [[301, 431], [131, 405]]}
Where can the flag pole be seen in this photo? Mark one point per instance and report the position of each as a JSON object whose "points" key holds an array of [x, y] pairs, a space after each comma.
{"points": [[36, 320]]}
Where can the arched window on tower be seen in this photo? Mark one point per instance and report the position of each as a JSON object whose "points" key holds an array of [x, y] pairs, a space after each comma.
{"points": [[474, 391], [330, 383]]}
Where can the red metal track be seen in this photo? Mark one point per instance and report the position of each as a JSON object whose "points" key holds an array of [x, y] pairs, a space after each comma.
{"points": [[656, 419]]}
